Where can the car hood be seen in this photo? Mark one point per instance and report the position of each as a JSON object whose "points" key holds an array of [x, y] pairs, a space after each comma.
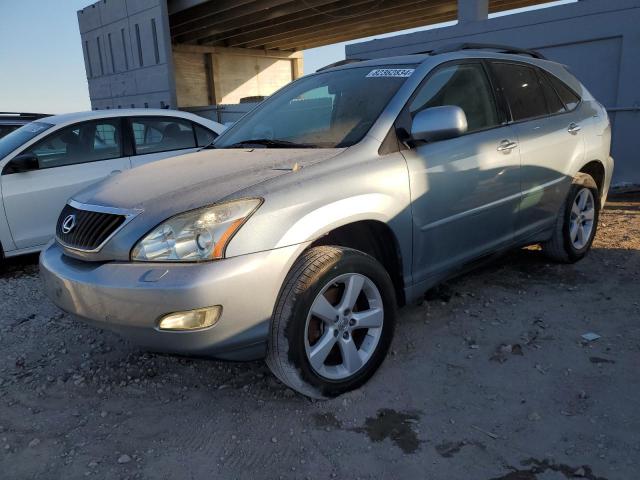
{"points": [[197, 179]]}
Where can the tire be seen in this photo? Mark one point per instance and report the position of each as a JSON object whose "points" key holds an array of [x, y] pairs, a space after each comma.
{"points": [[319, 282], [564, 246]]}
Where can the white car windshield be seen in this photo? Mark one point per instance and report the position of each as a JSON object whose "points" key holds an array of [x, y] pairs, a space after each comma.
{"points": [[327, 110], [21, 136]]}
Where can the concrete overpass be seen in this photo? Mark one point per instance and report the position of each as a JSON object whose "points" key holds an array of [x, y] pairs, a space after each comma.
{"points": [[187, 53], [302, 24]]}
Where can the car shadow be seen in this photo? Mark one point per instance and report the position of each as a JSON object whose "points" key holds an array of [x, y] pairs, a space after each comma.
{"points": [[18, 266]]}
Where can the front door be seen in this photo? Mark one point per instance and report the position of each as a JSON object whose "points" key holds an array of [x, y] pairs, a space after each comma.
{"points": [[465, 191], [69, 160]]}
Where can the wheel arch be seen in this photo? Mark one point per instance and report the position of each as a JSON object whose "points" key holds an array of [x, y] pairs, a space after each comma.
{"points": [[596, 169], [374, 238]]}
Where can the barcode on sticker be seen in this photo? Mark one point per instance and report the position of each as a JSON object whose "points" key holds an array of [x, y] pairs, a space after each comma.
{"points": [[391, 72]]}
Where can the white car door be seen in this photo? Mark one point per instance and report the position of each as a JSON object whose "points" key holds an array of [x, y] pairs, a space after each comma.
{"points": [[69, 160], [155, 138]]}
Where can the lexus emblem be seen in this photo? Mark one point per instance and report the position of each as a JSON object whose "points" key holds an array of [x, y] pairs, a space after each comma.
{"points": [[68, 223]]}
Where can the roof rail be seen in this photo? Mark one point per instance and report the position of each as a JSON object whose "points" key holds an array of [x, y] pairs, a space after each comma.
{"points": [[485, 46], [24, 114], [346, 61]]}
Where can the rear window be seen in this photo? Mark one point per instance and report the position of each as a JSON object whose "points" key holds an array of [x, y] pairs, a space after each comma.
{"points": [[551, 96], [204, 136], [568, 97], [161, 134], [523, 91]]}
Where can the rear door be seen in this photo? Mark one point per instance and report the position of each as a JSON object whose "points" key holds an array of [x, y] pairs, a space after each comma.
{"points": [[69, 160], [550, 139], [155, 138]]}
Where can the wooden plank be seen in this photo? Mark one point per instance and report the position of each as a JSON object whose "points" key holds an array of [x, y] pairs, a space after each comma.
{"points": [[318, 22], [251, 52], [242, 14], [378, 19], [267, 18], [278, 19], [206, 9], [312, 41], [502, 5]]}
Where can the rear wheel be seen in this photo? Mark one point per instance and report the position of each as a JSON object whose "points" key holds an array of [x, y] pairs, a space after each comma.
{"points": [[577, 222], [333, 323]]}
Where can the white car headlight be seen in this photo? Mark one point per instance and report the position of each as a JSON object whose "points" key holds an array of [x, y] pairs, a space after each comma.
{"points": [[198, 235]]}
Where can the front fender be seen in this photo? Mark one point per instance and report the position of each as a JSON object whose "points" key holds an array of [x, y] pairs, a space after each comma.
{"points": [[314, 224], [307, 204]]}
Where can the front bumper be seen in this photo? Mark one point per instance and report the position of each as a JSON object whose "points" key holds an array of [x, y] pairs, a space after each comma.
{"points": [[130, 297]]}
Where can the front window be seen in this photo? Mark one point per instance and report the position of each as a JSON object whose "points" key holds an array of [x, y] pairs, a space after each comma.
{"points": [[463, 85], [81, 143], [328, 110], [21, 136]]}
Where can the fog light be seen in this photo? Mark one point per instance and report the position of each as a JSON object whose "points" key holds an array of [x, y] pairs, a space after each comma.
{"points": [[191, 320]]}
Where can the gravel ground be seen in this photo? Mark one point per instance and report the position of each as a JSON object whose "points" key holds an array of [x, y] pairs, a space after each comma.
{"points": [[489, 379]]}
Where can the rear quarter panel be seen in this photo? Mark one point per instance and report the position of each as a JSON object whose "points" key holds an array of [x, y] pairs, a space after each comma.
{"points": [[595, 123]]}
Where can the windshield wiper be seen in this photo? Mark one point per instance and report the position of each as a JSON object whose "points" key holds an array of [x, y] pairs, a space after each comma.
{"points": [[271, 143]]}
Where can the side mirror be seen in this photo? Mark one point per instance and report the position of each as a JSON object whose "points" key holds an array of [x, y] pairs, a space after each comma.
{"points": [[24, 162], [439, 123]]}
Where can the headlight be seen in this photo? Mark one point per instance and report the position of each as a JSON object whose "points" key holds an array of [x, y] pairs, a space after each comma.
{"points": [[201, 234]]}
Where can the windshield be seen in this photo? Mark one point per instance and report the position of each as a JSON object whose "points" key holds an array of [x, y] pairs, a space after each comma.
{"points": [[21, 136], [329, 110]]}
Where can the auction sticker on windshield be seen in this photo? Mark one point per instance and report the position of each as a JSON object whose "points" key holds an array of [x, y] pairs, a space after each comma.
{"points": [[391, 72]]}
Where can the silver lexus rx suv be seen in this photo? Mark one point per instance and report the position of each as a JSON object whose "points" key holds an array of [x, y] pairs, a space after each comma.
{"points": [[348, 193]]}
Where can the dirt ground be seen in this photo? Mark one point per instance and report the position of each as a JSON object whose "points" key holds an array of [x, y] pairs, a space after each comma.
{"points": [[489, 379]]}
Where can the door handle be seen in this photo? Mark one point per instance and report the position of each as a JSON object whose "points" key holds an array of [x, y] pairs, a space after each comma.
{"points": [[116, 172], [506, 146], [574, 128]]}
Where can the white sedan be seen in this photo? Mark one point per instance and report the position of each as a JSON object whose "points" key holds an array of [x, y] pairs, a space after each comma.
{"points": [[45, 162]]}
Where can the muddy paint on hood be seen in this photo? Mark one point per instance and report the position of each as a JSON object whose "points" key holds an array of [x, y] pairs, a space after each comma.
{"points": [[197, 179]]}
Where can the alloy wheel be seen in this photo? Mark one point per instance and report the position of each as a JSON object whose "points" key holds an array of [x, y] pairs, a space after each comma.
{"points": [[344, 326], [582, 217]]}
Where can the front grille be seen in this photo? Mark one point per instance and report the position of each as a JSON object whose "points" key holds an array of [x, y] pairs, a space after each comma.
{"points": [[89, 229]]}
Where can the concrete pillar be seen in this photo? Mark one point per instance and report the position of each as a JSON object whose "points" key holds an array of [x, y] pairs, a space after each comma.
{"points": [[473, 10]]}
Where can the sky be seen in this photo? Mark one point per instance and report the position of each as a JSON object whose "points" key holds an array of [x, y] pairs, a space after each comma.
{"points": [[41, 61]]}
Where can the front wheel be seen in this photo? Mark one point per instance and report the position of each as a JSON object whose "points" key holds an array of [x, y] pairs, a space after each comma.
{"points": [[333, 323], [577, 222]]}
